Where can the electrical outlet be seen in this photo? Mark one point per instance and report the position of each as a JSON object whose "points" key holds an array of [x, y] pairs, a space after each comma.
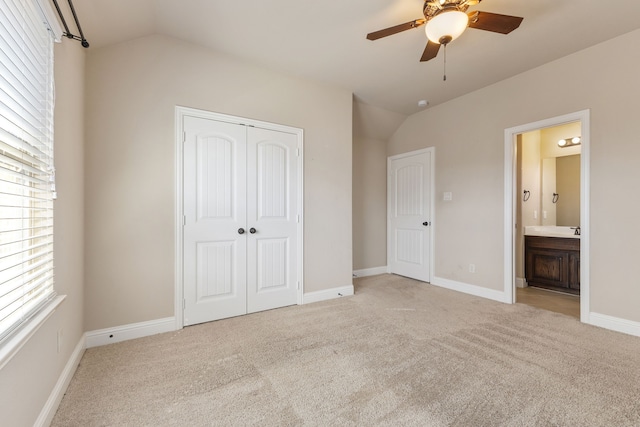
{"points": [[472, 268]]}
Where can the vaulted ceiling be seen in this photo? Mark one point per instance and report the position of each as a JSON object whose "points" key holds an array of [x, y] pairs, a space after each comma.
{"points": [[325, 40]]}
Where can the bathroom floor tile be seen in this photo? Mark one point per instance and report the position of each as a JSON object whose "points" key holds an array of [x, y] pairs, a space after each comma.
{"points": [[549, 300]]}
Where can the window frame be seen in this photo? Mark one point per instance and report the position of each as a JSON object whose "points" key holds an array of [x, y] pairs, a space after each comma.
{"points": [[23, 18]]}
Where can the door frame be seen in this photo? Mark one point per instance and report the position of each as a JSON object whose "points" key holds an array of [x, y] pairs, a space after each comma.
{"points": [[180, 113], [510, 200], [432, 211]]}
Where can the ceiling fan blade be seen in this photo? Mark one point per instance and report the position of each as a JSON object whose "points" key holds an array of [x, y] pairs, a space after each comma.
{"points": [[430, 51], [396, 29], [495, 22]]}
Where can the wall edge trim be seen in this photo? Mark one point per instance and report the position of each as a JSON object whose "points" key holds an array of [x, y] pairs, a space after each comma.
{"points": [[327, 294], [129, 332], [374, 271], [51, 405], [470, 289], [617, 324]]}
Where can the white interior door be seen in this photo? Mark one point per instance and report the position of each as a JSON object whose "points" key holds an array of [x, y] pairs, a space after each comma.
{"points": [[409, 199], [240, 236], [272, 219], [215, 243]]}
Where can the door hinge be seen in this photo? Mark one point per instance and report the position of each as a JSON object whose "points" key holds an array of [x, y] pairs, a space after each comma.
{"points": [[184, 137], [298, 285], [184, 220], [298, 218], [184, 304], [298, 152]]}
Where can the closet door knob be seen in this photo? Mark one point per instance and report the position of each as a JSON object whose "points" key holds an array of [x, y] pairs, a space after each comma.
{"points": [[252, 230], [240, 230]]}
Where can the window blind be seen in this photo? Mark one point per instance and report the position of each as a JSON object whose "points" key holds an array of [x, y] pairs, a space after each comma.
{"points": [[27, 186]]}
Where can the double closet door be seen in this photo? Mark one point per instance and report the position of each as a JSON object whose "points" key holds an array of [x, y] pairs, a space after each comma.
{"points": [[241, 185]]}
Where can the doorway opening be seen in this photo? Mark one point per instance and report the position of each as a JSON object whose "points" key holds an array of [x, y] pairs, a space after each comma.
{"points": [[547, 214]]}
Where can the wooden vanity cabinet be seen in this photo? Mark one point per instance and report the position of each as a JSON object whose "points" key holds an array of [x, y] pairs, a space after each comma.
{"points": [[553, 263]]}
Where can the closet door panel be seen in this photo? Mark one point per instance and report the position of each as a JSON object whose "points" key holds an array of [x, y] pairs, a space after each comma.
{"points": [[215, 210], [272, 212]]}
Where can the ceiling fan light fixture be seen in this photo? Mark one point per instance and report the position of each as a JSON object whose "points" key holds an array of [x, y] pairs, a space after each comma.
{"points": [[446, 26]]}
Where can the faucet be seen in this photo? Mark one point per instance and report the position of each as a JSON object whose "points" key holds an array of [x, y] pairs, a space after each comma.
{"points": [[577, 232]]}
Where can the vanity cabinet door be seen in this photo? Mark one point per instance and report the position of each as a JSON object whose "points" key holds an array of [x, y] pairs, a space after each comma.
{"points": [[548, 267], [553, 263]]}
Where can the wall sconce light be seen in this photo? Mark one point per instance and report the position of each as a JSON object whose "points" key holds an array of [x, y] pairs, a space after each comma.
{"points": [[569, 142]]}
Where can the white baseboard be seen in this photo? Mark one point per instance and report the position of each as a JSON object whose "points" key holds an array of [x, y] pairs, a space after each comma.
{"points": [[521, 282], [615, 324], [130, 332], [466, 288], [327, 294], [366, 272], [51, 406]]}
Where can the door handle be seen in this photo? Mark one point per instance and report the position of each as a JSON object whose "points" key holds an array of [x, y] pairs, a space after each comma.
{"points": [[240, 230], [252, 230], [426, 223]]}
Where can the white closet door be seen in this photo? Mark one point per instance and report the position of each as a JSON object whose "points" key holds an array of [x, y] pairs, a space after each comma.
{"points": [[272, 219], [241, 248], [215, 242], [409, 215]]}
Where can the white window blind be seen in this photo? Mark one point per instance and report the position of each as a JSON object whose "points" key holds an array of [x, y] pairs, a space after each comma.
{"points": [[26, 163]]}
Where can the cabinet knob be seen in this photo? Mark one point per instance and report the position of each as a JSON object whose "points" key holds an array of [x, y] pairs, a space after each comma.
{"points": [[252, 230], [240, 230]]}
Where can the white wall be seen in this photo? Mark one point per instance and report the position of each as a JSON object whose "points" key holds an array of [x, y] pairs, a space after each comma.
{"points": [[372, 127], [369, 203], [29, 378], [531, 172], [468, 133], [132, 90], [530, 211], [549, 187]]}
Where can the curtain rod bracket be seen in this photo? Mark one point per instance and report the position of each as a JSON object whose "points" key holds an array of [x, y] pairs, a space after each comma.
{"points": [[83, 41]]}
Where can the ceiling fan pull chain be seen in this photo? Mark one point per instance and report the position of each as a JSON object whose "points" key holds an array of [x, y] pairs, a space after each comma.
{"points": [[444, 77]]}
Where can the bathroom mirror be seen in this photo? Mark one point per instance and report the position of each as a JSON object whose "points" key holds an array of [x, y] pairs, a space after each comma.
{"points": [[561, 176]]}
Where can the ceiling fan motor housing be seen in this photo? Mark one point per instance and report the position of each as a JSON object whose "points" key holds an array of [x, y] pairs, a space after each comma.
{"points": [[434, 7]]}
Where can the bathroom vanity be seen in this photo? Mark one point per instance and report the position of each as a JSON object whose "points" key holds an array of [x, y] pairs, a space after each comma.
{"points": [[552, 260]]}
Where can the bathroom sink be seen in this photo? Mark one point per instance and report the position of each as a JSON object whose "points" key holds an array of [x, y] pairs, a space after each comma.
{"points": [[550, 231]]}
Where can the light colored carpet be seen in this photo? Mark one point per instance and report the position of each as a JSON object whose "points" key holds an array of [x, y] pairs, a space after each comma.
{"points": [[397, 353]]}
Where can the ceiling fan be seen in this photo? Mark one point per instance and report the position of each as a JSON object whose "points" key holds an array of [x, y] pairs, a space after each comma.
{"points": [[446, 20]]}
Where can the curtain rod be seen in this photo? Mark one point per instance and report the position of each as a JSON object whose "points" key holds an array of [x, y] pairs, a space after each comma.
{"points": [[68, 33]]}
